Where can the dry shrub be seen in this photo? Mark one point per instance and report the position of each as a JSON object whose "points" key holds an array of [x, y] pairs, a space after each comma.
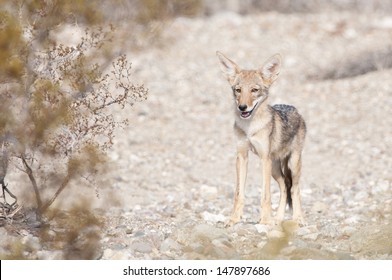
{"points": [[357, 65], [57, 100], [152, 10], [56, 116], [76, 233]]}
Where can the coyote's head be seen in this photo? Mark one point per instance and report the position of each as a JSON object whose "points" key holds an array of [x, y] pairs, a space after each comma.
{"points": [[250, 87]]}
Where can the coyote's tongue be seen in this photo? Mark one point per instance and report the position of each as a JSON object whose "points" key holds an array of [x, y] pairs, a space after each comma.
{"points": [[245, 114]]}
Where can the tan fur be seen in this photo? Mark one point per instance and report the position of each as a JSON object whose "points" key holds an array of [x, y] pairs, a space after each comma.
{"points": [[275, 133]]}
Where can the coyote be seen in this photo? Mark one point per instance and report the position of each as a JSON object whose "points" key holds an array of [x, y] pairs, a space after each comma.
{"points": [[275, 133]]}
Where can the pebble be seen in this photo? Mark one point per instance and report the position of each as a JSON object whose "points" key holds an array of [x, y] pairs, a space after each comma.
{"points": [[263, 229], [319, 207], [141, 247], [348, 230], [306, 230], [49, 255], [353, 219], [208, 191], [169, 245], [214, 218], [208, 231], [110, 254], [311, 236], [175, 164], [331, 230]]}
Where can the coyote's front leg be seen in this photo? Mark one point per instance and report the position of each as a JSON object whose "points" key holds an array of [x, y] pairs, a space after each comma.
{"points": [[241, 168], [261, 146], [266, 192]]}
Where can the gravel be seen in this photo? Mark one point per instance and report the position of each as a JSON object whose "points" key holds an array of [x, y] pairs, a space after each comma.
{"points": [[174, 167]]}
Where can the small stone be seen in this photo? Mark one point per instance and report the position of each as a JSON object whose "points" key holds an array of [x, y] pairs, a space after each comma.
{"points": [[362, 195], [118, 246], [50, 255], [208, 231], [347, 230], [319, 207], [141, 247], [242, 229], [242, 232], [263, 229], [195, 247], [24, 232], [306, 230], [353, 220], [169, 245], [107, 254], [311, 236], [261, 244], [139, 233], [331, 230], [110, 254], [303, 231], [208, 191], [214, 218]]}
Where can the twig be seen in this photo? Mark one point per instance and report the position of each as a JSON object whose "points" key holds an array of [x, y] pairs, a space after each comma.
{"points": [[33, 181], [57, 193]]}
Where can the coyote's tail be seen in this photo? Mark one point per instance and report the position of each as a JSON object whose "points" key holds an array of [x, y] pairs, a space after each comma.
{"points": [[288, 181]]}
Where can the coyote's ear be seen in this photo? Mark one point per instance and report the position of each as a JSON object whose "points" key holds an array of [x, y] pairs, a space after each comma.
{"points": [[229, 68], [270, 70]]}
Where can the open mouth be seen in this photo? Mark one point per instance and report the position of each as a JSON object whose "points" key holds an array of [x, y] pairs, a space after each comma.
{"points": [[247, 114]]}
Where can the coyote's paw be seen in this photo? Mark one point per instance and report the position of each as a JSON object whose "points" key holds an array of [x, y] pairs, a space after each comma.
{"points": [[232, 221]]}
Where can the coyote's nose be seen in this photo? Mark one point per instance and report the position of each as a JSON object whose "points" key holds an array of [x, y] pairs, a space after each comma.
{"points": [[242, 107]]}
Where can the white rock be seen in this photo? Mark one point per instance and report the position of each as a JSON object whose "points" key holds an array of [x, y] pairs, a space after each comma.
{"points": [[214, 218], [50, 255], [208, 231], [347, 230], [306, 230], [385, 23], [319, 207], [169, 244], [262, 228], [362, 195], [141, 247], [311, 236], [353, 220], [110, 254]]}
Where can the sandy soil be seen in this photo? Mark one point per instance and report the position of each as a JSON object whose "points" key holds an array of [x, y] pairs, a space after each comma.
{"points": [[173, 168]]}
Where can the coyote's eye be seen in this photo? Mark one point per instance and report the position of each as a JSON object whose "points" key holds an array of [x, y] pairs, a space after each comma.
{"points": [[237, 90], [254, 90]]}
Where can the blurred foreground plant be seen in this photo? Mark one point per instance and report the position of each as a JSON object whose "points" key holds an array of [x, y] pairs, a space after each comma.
{"points": [[56, 99]]}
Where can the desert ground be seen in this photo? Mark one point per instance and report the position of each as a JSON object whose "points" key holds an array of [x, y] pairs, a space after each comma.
{"points": [[173, 169]]}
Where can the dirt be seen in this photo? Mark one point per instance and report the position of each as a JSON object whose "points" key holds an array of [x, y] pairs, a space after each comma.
{"points": [[173, 169]]}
